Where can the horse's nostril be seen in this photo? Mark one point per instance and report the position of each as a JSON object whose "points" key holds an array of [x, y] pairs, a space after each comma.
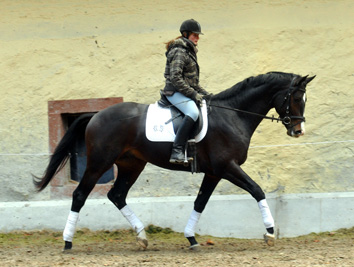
{"points": [[299, 133]]}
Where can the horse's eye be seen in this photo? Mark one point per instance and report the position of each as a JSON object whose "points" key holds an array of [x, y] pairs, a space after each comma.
{"points": [[299, 97]]}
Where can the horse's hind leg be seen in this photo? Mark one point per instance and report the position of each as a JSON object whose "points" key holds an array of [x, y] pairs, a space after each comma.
{"points": [[128, 172], [206, 189], [94, 170]]}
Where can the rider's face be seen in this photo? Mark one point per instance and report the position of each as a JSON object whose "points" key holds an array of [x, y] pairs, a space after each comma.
{"points": [[194, 37]]}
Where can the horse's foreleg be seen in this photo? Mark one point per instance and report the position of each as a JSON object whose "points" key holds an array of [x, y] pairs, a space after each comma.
{"points": [[206, 189], [268, 222], [238, 177], [127, 175]]}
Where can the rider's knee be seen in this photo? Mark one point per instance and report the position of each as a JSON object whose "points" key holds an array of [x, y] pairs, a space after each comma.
{"points": [[193, 113]]}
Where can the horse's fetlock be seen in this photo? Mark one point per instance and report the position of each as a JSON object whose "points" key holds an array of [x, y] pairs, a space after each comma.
{"points": [[68, 246], [192, 241]]}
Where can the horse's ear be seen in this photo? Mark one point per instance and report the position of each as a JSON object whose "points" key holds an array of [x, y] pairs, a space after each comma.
{"points": [[303, 80], [299, 80], [309, 79]]}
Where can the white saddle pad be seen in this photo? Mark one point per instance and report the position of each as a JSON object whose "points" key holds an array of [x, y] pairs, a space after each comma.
{"points": [[158, 131]]}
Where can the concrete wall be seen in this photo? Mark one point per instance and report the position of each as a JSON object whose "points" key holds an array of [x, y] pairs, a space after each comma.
{"points": [[225, 216], [93, 49]]}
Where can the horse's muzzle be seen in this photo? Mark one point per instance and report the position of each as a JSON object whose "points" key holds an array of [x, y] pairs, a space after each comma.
{"points": [[296, 130]]}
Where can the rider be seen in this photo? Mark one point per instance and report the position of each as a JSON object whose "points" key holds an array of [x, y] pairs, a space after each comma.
{"points": [[182, 87]]}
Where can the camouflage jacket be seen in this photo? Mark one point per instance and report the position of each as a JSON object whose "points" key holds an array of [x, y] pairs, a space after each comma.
{"points": [[182, 69]]}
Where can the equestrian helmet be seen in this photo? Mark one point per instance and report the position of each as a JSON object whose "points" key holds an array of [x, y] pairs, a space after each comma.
{"points": [[191, 25]]}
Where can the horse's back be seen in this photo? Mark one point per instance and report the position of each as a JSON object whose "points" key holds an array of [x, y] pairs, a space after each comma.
{"points": [[127, 117], [121, 112], [124, 110]]}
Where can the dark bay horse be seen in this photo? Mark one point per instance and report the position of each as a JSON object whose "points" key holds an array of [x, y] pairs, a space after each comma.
{"points": [[116, 135]]}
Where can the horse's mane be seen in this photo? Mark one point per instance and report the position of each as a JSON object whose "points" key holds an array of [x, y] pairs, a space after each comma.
{"points": [[270, 78]]}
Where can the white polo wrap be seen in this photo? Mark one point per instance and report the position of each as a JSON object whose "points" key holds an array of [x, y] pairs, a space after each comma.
{"points": [[70, 226], [189, 231], [132, 219], [266, 215]]}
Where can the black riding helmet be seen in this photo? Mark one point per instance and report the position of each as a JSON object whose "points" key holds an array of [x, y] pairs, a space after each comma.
{"points": [[191, 25]]}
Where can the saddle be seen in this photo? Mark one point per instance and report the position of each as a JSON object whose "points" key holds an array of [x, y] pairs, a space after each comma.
{"points": [[173, 122]]}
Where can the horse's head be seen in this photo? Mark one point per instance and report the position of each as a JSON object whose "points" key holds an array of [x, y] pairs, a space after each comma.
{"points": [[291, 107]]}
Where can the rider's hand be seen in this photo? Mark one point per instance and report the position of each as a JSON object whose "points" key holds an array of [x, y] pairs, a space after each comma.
{"points": [[208, 96], [199, 99]]}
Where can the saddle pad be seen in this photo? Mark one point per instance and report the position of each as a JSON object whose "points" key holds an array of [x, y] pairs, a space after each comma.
{"points": [[157, 130]]}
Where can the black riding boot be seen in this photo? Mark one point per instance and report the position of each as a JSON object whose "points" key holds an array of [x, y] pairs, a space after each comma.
{"points": [[177, 155]]}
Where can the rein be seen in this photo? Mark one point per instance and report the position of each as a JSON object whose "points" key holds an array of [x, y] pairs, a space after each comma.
{"points": [[284, 120]]}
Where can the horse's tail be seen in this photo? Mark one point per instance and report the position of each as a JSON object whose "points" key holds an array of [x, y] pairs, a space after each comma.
{"points": [[62, 151]]}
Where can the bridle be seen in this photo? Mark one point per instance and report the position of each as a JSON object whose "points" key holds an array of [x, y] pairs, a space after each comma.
{"points": [[287, 119]]}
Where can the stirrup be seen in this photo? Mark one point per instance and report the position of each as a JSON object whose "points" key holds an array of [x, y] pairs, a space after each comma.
{"points": [[185, 161], [176, 161]]}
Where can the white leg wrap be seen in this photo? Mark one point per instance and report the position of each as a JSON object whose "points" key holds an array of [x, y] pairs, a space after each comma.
{"points": [[189, 231], [70, 226], [132, 219], [266, 215]]}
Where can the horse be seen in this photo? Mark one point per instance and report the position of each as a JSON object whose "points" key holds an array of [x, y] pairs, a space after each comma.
{"points": [[116, 135]]}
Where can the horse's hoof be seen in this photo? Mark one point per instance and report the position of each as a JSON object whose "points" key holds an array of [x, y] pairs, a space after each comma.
{"points": [[68, 246], [195, 247], [269, 239], [142, 240]]}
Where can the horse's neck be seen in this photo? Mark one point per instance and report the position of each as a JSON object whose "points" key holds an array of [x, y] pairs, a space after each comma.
{"points": [[257, 102]]}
